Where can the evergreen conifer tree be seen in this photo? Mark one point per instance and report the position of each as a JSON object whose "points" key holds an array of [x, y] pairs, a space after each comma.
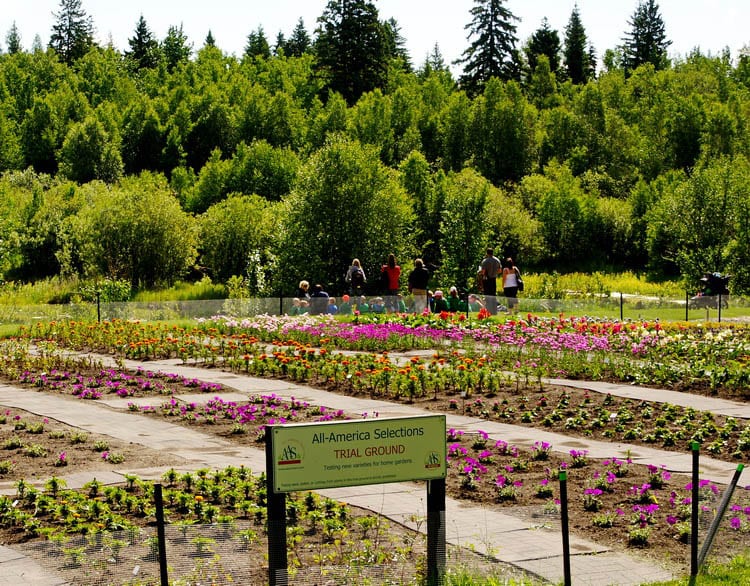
{"points": [[352, 48], [257, 44], [73, 31], [544, 41], [176, 47], [577, 56], [397, 43], [13, 40], [647, 40], [144, 48], [299, 42], [493, 51]]}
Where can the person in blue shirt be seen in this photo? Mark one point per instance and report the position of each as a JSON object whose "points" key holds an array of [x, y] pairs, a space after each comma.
{"points": [[318, 300]]}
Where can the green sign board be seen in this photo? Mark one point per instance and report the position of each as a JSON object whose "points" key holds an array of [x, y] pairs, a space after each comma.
{"points": [[372, 451]]}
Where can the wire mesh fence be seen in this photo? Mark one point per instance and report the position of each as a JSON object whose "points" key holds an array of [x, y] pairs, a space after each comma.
{"points": [[614, 306]]}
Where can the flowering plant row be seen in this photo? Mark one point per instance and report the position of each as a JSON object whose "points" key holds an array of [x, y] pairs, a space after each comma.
{"points": [[472, 384], [697, 356], [633, 503]]}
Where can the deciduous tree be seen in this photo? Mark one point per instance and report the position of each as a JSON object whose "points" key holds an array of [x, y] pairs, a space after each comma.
{"points": [[346, 205], [234, 232]]}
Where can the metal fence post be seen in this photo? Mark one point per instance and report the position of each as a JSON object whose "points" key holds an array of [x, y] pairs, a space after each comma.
{"points": [[695, 446], [436, 532], [159, 503], [719, 515], [565, 528]]}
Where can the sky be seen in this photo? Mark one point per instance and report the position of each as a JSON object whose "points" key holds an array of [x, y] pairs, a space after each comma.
{"points": [[710, 25]]}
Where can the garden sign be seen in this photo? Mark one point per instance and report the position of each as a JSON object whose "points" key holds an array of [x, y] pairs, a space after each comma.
{"points": [[313, 456]]}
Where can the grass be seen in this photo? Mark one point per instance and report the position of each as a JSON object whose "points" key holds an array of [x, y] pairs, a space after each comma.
{"points": [[182, 291], [57, 290], [559, 286], [735, 572], [540, 286]]}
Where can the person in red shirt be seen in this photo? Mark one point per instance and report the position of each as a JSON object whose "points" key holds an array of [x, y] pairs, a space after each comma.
{"points": [[390, 274]]}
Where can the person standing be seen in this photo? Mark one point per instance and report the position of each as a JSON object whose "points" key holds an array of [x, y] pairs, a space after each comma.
{"points": [[510, 283], [491, 267], [418, 278], [303, 291], [356, 279], [391, 273]]}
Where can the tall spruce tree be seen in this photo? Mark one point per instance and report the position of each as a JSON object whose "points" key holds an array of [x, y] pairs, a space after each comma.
{"points": [[299, 42], [257, 44], [397, 43], [352, 48], [544, 41], [13, 40], [647, 40], [73, 31], [144, 48], [493, 51], [578, 64]]}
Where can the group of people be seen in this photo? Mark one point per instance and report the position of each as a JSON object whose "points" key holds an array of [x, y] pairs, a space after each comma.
{"points": [[317, 301], [489, 270]]}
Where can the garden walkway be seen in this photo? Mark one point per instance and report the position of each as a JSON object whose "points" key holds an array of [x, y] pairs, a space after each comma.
{"points": [[531, 547]]}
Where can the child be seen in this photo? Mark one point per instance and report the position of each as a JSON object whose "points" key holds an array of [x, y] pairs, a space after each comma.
{"points": [[345, 308], [332, 307]]}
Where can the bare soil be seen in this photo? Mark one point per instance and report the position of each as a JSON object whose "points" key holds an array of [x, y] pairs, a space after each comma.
{"points": [[528, 406]]}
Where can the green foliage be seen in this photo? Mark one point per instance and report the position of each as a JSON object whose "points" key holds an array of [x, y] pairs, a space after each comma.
{"points": [[462, 229], [136, 231], [632, 146], [88, 153], [503, 133], [237, 237], [346, 205], [106, 291]]}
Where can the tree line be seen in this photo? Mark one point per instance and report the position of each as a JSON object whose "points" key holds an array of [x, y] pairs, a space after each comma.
{"points": [[161, 162]]}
